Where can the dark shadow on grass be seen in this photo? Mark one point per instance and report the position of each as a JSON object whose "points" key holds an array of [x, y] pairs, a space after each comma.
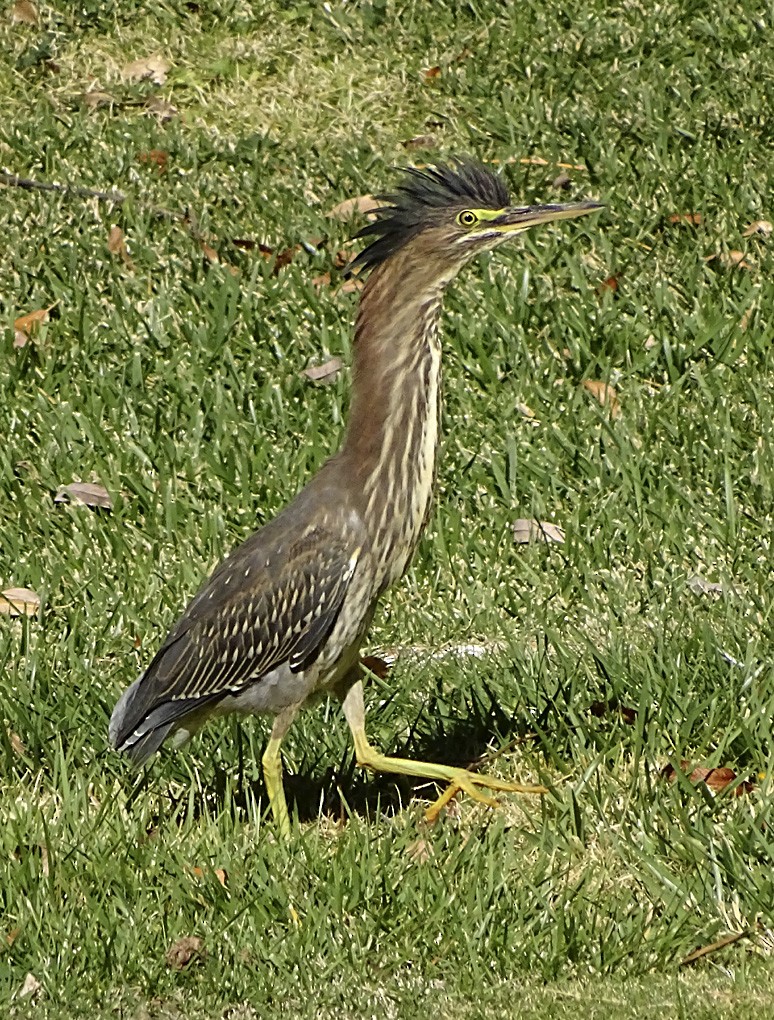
{"points": [[462, 740]]}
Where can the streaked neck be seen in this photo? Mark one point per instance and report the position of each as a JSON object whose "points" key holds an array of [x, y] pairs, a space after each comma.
{"points": [[392, 434]]}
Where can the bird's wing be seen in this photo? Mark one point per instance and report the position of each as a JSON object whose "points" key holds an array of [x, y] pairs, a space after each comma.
{"points": [[270, 603]]}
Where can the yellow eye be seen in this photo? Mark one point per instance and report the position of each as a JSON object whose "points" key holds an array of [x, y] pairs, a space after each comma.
{"points": [[467, 218]]}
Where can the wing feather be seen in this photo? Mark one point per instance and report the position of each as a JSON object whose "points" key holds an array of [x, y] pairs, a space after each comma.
{"points": [[270, 603]]}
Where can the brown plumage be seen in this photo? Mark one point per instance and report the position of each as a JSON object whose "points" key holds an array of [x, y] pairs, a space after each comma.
{"points": [[282, 619]]}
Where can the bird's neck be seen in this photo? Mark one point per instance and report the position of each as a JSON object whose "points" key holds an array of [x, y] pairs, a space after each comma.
{"points": [[392, 435]]}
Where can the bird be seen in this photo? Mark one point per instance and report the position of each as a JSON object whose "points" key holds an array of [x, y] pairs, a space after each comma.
{"points": [[280, 622]]}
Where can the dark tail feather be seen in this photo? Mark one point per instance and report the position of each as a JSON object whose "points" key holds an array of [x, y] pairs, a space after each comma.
{"points": [[138, 729]]}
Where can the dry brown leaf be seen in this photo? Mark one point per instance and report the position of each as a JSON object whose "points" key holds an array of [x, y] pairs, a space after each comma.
{"points": [[562, 181], [180, 953], [539, 161], [17, 744], [527, 530], [12, 936], [420, 851], [420, 142], [600, 709], [84, 493], [285, 257], [323, 280], [716, 780], [219, 873], [431, 73], [95, 99], [161, 109], [30, 987], [24, 12], [604, 394], [702, 586], [693, 218], [27, 326], [153, 68], [730, 259], [376, 665], [116, 243], [362, 204], [324, 373], [154, 157], [351, 285], [19, 602], [762, 227], [611, 283], [209, 253]]}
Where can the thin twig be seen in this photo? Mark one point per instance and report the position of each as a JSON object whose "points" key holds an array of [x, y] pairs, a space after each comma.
{"points": [[14, 181], [116, 197]]}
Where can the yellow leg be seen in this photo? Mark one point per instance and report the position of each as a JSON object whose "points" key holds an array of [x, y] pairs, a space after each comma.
{"points": [[272, 770], [459, 779]]}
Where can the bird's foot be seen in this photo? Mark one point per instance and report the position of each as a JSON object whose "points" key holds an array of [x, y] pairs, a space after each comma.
{"points": [[465, 781]]}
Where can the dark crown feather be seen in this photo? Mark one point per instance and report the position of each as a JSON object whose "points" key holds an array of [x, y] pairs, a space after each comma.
{"points": [[416, 201]]}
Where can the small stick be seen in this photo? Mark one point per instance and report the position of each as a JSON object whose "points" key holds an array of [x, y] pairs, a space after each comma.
{"points": [[13, 180]]}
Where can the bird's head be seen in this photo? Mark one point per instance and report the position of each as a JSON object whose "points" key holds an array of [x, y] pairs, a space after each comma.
{"points": [[448, 214]]}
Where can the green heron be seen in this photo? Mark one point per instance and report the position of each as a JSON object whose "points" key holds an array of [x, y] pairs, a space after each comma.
{"points": [[282, 619]]}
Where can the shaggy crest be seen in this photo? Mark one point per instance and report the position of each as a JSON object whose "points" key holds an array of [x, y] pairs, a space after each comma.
{"points": [[419, 198]]}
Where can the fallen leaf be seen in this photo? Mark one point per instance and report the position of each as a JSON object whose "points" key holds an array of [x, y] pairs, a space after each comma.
{"points": [[85, 493], [527, 530], [419, 852], [95, 99], [376, 665], [420, 142], [693, 218], [30, 987], [526, 412], [562, 181], [285, 257], [351, 285], [431, 73], [161, 108], [180, 953], [716, 780], [762, 227], [26, 326], [730, 259], [24, 12], [17, 744], [600, 709], [12, 936], [19, 602], [154, 157], [153, 68], [116, 243], [604, 394], [346, 209], [701, 586], [209, 253], [539, 161], [323, 373], [323, 280], [611, 283], [219, 873]]}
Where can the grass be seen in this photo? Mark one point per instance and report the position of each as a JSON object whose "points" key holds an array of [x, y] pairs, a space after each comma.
{"points": [[175, 381]]}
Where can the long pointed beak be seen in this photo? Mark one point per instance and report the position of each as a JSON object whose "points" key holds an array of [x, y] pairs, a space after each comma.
{"points": [[518, 219]]}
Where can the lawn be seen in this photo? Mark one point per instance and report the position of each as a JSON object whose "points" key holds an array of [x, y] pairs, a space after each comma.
{"points": [[612, 377]]}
